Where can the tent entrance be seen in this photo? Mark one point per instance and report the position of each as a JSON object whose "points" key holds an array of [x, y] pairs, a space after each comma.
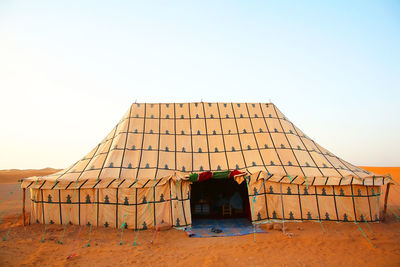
{"points": [[219, 199]]}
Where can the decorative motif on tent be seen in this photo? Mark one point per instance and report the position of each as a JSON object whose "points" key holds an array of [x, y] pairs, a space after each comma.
{"points": [[341, 192], [309, 217], [233, 149], [126, 202], [289, 191], [37, 221], [147, 166], [166, 132], [183, 168], [130, 166], [227, 116], [275, 130], [327, 216], [136, 131], [144, 201], [51, 222], [49, 199], [259, 216], [87, 199], [255, 191], [248, 147], [111, 165], [182, 132], [244, 131], [272, 163], [265, 146], [271, 190], [183, 149], [291, 216], [261, 130], [345, 218], [362, 219], [106, 224], [197, 116], [212, 116], [218, 168], [149, 148], [359, 193], [106, 200], [274, 215], [198, 132], [161, 197], [237, 167], [177, 222], [290, 163], [92, 168], [323, 192], [305, 191], [201, 168], [68, 199], [200, 150], [216, 149], [254, 163], [133, 147], [307, 164], [166, 167], [282, 146], [88, 224], [270, 115]]}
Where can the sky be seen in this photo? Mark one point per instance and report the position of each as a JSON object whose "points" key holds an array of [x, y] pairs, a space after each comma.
{"points": [[69, 70]]}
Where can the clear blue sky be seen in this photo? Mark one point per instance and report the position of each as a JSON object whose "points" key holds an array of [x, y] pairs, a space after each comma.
{"points": [[70, 69]]}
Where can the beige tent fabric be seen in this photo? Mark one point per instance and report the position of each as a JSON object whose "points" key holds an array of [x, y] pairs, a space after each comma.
{"points": [[131, 208], [282, 201], [154, 141], [138, 175]]}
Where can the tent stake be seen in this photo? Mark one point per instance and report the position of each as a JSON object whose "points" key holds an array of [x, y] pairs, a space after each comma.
{"points": [[386, 199], [23, 205]]}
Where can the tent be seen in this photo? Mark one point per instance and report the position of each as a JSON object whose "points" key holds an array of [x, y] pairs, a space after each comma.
{"points": [[140, 175]]}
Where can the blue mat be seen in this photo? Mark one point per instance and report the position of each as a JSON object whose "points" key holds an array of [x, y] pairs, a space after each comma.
{"points": [[229, 227]]}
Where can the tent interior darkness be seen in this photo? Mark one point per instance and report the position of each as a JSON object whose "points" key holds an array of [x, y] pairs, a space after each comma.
{"points": [[209, 197]]}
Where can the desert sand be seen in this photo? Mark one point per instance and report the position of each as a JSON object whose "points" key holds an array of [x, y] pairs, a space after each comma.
{"points": [[305, 244]]}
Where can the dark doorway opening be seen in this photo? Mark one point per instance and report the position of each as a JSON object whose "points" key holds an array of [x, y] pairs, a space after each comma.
{"points": [[219, 199]]}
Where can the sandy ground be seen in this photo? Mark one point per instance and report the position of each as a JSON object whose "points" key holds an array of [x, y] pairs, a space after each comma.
{"points": [[307, 245]]}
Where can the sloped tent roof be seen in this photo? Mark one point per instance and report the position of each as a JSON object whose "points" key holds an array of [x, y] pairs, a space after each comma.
{"points": [[156, 142]]}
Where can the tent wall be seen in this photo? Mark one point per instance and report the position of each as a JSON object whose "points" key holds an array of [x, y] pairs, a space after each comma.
{"points": [[137, 208], [277, 201]]}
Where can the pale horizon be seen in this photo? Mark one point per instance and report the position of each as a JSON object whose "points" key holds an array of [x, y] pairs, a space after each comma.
{"points": [[69, 71]]}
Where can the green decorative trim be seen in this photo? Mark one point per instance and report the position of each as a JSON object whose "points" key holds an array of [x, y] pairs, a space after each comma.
{"points": [[221, 175], [193, 177]]}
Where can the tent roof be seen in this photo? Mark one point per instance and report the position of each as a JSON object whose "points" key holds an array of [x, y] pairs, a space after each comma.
{"points": [[170, 140]]}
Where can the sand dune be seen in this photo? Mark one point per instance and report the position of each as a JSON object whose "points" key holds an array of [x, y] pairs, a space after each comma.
{"points": [[13, 175], [342, 244]]}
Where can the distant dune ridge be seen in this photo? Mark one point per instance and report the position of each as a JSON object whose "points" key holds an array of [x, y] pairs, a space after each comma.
{"points": [[13, 175]]}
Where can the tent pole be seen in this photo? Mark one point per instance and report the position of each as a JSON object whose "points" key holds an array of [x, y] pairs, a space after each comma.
{"points": [[23, 205], [385, 204]]}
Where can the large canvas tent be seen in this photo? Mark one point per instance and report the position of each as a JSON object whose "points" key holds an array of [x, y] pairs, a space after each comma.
{"points": [[141, 174]]}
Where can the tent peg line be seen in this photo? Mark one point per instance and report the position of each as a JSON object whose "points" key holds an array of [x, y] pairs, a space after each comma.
{"points": [[359, 227], [66, 222]]}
